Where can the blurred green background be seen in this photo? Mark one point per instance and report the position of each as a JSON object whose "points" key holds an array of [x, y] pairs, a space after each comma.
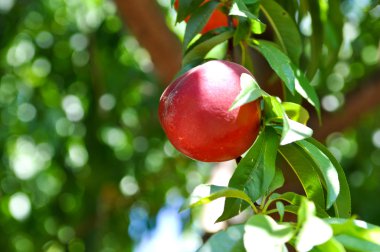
{"points": [[84, 163]]}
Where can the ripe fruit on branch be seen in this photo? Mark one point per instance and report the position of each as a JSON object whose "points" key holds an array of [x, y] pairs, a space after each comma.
{"points": [[217, 19], [194, 113]]}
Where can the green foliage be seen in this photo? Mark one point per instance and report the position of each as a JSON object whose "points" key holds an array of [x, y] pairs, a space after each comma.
{"points": [[284, 136]]}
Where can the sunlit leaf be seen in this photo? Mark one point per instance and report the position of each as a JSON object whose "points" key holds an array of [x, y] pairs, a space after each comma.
{"points": [[310, 225], [342, 205], [355, 228], [250, 91], [331, 245], [295, 132], [326, 168], [307, 174], [204, 194], [262, 233], [296, 112], [239, 8], [356, 244]]}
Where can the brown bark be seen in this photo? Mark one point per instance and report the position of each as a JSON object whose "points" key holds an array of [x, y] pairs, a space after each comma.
{"points": [[147, 23], [359, 102]]}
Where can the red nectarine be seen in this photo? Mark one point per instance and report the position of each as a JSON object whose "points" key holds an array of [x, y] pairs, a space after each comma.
{"points": [[194, 113]]}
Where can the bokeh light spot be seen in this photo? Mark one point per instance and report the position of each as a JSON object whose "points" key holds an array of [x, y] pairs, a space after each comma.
{"points": [[73, 108], [107, 102], [128, 186], [19, 206], [376, 138], [41, 67], [26, 112], [44, 39], [78, 155]]}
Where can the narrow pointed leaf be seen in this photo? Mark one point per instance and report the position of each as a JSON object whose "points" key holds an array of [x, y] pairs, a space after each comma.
{"points": [[185, 8], [250, 91], [279, 62], [198, 20], [342, 205], [204, 194], [200, 50], [303, 87], [327, 170], [305, 171], [284, 28]]}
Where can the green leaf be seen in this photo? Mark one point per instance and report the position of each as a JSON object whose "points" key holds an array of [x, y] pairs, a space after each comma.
{"points": [[331, 245], [250, 91], [262, 233], [304, 88], [305, 171], [294, 132], [313, 230], [285, 29], [258, 27], [200, 50], [278, 180], [326, 168], [291, 130], [198, 20], [342, 205], [255, 172], [230, 240], [281, 209], [316, 39], [356, 244], [295, 200], [333, 32], [279, 62], [239, 8], [296, 112], [355, 228], [273, 111], [185, 8], [204, 194], [242, 31]]}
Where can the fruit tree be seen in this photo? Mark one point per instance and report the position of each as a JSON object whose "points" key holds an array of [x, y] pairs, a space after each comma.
{"points": [[211, 113]]}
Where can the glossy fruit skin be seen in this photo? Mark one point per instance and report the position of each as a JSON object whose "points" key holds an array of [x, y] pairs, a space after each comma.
{"points": [[193, 112], [217, 19]]}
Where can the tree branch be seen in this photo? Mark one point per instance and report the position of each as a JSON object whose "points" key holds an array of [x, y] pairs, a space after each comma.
{"points": [[147, 23], [359, 102]]}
